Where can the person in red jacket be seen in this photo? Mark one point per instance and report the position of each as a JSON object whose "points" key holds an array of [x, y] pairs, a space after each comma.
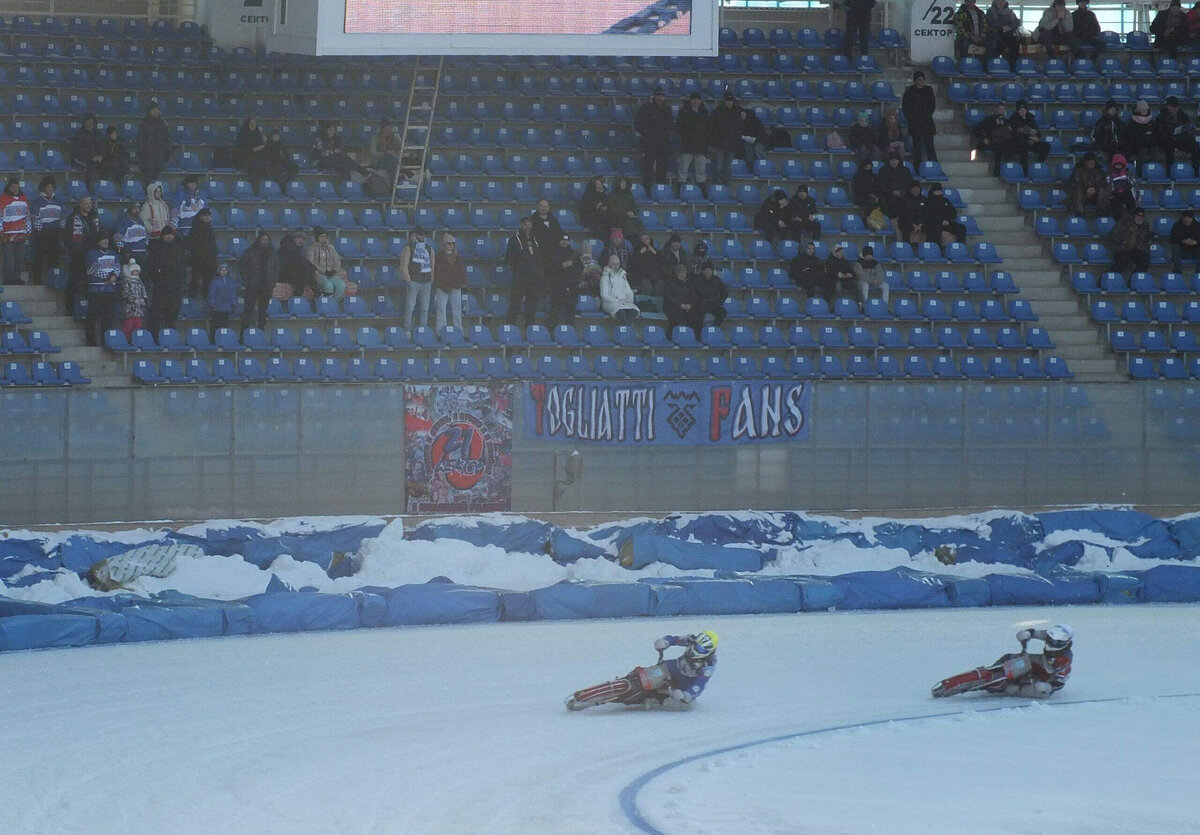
{"points": [[14, 231]]}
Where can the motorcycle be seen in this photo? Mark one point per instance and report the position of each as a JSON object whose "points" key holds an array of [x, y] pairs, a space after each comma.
{"points": [[639, 685], [984, 678]]}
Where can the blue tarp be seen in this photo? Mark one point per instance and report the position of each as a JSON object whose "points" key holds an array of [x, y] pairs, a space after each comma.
{"points": [[46, 630], [440, 603], [566, 548], [645, 549], [592, 600], [526, 536], [1122, 525], [108, 625], [818, 594], [968, 591], [15, 554], [517, 605], [1116, 587], [81, 552], [899, 588], [372, 608], [1186, 533], [302, 611], [725, 597], [1171, 584], [1058, 588], [746, 528]]}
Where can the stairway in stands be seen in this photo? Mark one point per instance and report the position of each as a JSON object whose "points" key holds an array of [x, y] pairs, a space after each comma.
{"points": [[44, 307], [1060, 311]]}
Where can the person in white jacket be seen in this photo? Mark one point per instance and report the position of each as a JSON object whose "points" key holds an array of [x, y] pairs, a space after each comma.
{"points": [[616, 296]]}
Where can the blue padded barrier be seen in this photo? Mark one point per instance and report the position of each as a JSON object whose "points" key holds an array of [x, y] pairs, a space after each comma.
{"points": [[644, 549], [968, 591], [527, 536], [818, 594], [517, 605], [1049, 589], [302, 611], [1186, 532], [726, 597], [1064, 554], [316, 547], [805, 529], [899, 588], [899, 535], [1171, 584], [372, 608], [37, 631], [157, 622], [726, 528], [107, 626], [569, 599], [565, 548], [1122, 525], [238, 617], [440, 602], [1118, 588], [15, 554]]}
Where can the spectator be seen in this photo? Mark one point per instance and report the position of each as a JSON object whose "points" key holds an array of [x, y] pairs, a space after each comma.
{"points": [[130, 236], [1108, 130], [153, 144], [1131, 243], [617, 245], [772, 216], [525, 261], [133, 298], [1170, 29], [692, 124], [891, 135], [918, 105], [802, 216], [754, 137], [1138, 138], [592, 207], [1056, 29], [546, 231], [1193, 22], [1027, 137], [616, 296], [642, 271], [623, 209], [669, 258], [1121, 195], [16, 224], [280, 168], [863, 139], [681, 304], [869, 275], [331, 276], [385, 149], [725, 134], [865, 188], [1086, 187], [995, 133], [201, 242], [417, 261], [249, 153], [841, 273], [1087, 30], [155, 212], [858, 23], [711, 293], [259, 271], [894, 182], [564, 273], [970, 30], [808, 272], [1003, 33], [166, 270], [46, 212], [103, 270], [222, 296], [1173, 132], [697, 258], [653, 124], [82, 229], [1185, 240], [910, 221], [941, 219], [295, 269], [87, 149], [330, 157], [189, 201], [114, 158], [449, 279]]}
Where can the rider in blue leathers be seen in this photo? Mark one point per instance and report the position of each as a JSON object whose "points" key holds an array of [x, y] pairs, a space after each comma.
{"points": [[691, 671]]}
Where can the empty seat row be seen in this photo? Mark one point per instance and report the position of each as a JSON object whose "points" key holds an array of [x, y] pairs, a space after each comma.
{"points": [[1141, 283], [470, 85], [42, 374], [1095, 92], [1136, 311], [1166, 368], [38, 342], [1152, 340]]}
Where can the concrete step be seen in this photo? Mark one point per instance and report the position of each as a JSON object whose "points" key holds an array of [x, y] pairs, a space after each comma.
{"points": [[1065, 338], [982, 195], [1107, 366], [1059, 308], [110, 381], [1001, 225], [1037, 295], [1017, 249]]}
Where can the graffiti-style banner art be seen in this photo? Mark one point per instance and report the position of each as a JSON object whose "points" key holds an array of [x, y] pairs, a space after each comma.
{"points": [[458, 448], [678, 414]]}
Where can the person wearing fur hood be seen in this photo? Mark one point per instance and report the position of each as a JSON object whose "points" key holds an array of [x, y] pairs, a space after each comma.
{"points": [[133, 297], [155, 212]]}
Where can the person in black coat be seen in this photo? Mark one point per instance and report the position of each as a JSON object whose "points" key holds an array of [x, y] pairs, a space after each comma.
{"points": [[725, 134], [681, 303], [865, 189], [114, 157], [87, 149], [249, 153], [294, 267], [808, 272], [995, 133], [524, 259], [1173, 132], [165, 275], [910, 219], [1106, 133], [858, 22], [918, 105], [653, 123], [670, 257], [771, 218], [711, 293], [1027, 136], [564, 270], [840, 273], [693, 129], [202, 253], [643, 272], [1087, 30], [894, 181], [941, 219], [592, 207], [259, 270], [153, 144], [1185, 240], [802, 215], [280, 168]]}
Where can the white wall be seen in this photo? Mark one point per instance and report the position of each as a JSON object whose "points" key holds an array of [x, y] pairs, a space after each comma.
{"points": [[234, 23], [299, 33]]}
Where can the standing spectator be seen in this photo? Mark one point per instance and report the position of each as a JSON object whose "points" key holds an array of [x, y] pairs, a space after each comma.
{"points": [[166, 270], [1027, 137], [1131, 243], [802, 215], [385, 149], [1173, 132], [1185, 240], [711, 293], [547, 231], [280, 168], [259, 270], [1138, 138], [16, 224], [671, 256], [910, 220], [616, 296], [772, 216], [564, 273], [754, 136], [725, 134], [858, 23], [1107, 132], [47, 213], [294, 269], [941, 219], [1087, 30], [1056, 30], [653, 123], [970, 30], [331, 275], [153, 144], [864, 139], [189, 201], [525, 261], [449, 279], [82, 231], [1193, 22], [592, 207], [1085, 187], [995, 133], [841, 272], [250, 153], [918, 105], [619, 246], [1003, 33], [416, 270], [133, 298], [623, 209], [330, 157], [222, 296], [114, 158], [643, 267], [130, 236], [1170, 29], [103, 270], [201, 244], [808, 272], [693, 129], [87, 149], [681, 304], [869, 275], [1121, 195], [155, 213]]}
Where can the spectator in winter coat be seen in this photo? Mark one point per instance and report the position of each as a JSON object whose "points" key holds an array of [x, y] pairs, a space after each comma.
{"points": [[671, 256], [711, 293], [808, 272], [329, 154], [1087, 30], [890, 135], [869, 275], [153, 144], [858, 24], [259, 271], [222, 296], [941, 219], [82, 229], [47, 214], [103, 270], [1170, 29], [1086, 187], [16, 225], [864, 139], [918, 105], [1173, 132], [564, 272], [1131, 243], [653, 124], [280, 168], [1185, 240], [772, 217], [1121, 196], [417, 264], [696, 260], [166, 276], [623, 209], [189, 201], [1027, 137], [201, 244], [249, 153], [616, 296], [1138, 140], [894, 182], [692, 127], [754, 137], [592, 207], [970, 29], [681, 304], [909, 222], [725, 136], [1056, 30], [619, 246], [133, 298], [1003, 33], [547, 231], [525, 261], [385, 149], [87, 149], [449, 279], [294, 269], [995, 133], [1107, 132], [130, 236], [865, 189], [643, 267], [802, 216], [155, 213], [114, 157], [331, 275], [841, 272]]}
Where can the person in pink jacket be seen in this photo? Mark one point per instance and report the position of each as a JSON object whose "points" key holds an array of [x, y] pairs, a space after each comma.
{"points": [[16, 225]]}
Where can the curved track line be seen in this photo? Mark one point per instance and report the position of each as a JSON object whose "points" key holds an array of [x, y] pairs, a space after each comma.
{"points": [[629, 794]]}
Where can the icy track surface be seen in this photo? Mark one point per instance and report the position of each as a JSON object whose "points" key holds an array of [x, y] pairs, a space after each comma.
{"points": [[463, 730]]}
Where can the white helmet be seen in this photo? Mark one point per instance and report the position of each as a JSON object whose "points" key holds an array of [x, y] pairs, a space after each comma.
{"points": [[1058, 637]]}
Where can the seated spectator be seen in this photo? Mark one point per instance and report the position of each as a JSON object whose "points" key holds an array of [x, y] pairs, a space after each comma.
{"points": [[114, 158], [941, 219], [1138, 141], [201, 243], [617, 245], [865, 189], [891, 135], [221, 297], [772, 217], [711, 293], [385, 148], [970, 30], [1003, 33], [330, 157], [153, 144], [674, 254], [1056, 30], [863, 139], [1027, 137], [592, 207], [995, 133], [802, 216], [279, 166], [807, 271], [1170, 29], [250, 153], [155, 213], [754, 137], [841, 273], [1086, 187], [166, 272], [295, 269], [133, 298], [643, 268], [1131, 243], [130, 236], [895, 180], [259, 271], [681, 304], [910, 220], [449, 279], [1173, 132], [616, 296], [1087, 30], [565, 275], [47, 214], [1121, 196], [189, 201], [623, 209], [1185, 240], [697, 259], [87, 149], [869, 275], [331, 276], [1108, 130], [17, 225]]}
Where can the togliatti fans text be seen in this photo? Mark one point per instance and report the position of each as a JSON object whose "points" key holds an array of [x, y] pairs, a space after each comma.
{"points": [[519, 17]]}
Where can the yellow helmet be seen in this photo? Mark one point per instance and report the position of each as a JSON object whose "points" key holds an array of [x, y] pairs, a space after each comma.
{"points": [[703, 645]]}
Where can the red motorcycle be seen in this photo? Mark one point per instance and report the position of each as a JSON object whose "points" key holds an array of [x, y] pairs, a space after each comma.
{"points": [[1012, 668], [639, 685]]}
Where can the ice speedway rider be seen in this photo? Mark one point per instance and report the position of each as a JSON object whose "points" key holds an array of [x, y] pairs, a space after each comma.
{"points": [[671, 683], [1050, 668], [691, 671]]}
